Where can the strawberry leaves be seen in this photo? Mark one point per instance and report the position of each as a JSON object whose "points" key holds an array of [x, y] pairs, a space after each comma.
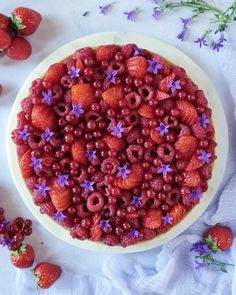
{"points": [[17, 23], [212, 244]]}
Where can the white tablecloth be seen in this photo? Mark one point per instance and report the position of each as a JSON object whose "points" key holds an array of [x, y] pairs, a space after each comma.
{"points": [[63, 22]]}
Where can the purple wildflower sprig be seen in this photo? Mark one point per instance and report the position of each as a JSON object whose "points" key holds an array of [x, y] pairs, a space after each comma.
{"points": [[104, 9], [132, 14]]}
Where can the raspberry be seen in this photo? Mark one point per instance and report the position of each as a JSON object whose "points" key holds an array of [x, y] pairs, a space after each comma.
{"points": [[113, 95], [111, 240], [27, 105], [133, 100], [146, 92], [166, 152], [198, 131], [110, 166], [106, 52], [47, 208], [30, 182], [152, 219], [134, 153], [126, 241], [84, 53], [157, 184], [200, 98], [133, 135], [136, 66], [206, 171], [145, 110], [128, 50], [95, 232], [21, 150], [95, 202]]}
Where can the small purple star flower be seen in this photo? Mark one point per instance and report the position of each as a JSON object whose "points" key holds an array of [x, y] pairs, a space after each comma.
{"points": [[59, 216], [23, 134], [104, 224], [91, 155], [199, 265], [174, 85], [181, 35], [162, 129], [77, 110], [73, 72], [167, 219], [47, 97], [41, 189], [157, 13], [133, 233], [217, 45], [153, 65], [204, 157], [202, 41], [62, 180], [203, 120], [123, 171], [117, 130], [164, 169], [222, 38], [111, 76], [4, 225], [6, 242], [131, 15], [47, 134], [136, 201], [36, 163], [195, 195], [186, 21], [104, 9], [200, 247], [138, 52], [87, 186]]}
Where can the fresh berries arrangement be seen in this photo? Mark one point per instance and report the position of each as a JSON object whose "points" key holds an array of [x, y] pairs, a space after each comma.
{"points": [[115, 143], [23, 21]]}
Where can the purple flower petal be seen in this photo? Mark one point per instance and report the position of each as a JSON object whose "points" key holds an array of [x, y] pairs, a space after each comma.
{"points": [[77, 110], [47, 134], [167, 219], [199, 265], [117, 130], [41, 189], [36, 163], [111, 76], [91, 155], [202, 41], [164, 169], [153, 65], [87, 186], [200, 248], [195, 195], [204, 157], [104, 9], [203, 120], [104, 224], [162, 129], [62, 180], [59, 216], [73, 72], [131, 15], [123, 171], [157, 13], [181, 35], [134, 233], [186, 21], [23, 134], [136, 201], [47, 97], [174, 85]]}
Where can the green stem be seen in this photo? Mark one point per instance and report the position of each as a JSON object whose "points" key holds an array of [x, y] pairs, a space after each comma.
{"points": [[210, 260]]}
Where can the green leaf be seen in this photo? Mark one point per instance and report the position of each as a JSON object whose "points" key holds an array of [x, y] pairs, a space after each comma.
{"points": [[17, 22], [212, 244], [19, 251]]}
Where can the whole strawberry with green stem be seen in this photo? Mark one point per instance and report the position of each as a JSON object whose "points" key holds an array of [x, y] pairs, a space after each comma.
{"points": [[218, 238], [23, 257], [46, 274]]}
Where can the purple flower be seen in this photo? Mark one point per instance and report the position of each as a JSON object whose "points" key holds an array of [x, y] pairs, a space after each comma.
{"points": [[162, 129], [41, 189], [200, 247], [36, 163], [47, 134], [203, 120], [4, 225], [87, 186], [167, 219], [222, 38], [202, 41], [138, 52], [133, 233], [174, 85], [47, 97], [62, 180], [104, 224], [117, 130], [77, 110], [6, 242], [186, 21], [195, 195], [164, 169], [131, 15], [123, 171], [59, 216], [91, 155], [153, 65], [136, 201], [157, 13], [217, 45], [73, 72], [181, 35], [23, 134], [111, 76], [204, 157], [104, 9], [199, 265]]}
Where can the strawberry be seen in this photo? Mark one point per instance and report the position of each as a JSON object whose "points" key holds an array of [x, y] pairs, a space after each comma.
{"points": [[152, 219], [79, 65], [83, 53], [4, 22], [47, 208], [44, 117], [24, 163], [163, 84], [191, 178], [25, 20], [83, 94], [160, 95], [95, 232], [177, 213], [133, 179], [112, 95], [21, 150], [19, 49], [46, 274], [155, 136], [114, 143], [54, 73], [23, 257], [106, 52], [5, 40], [198, 131], [145, 110], [219, 238], [194, 163], [128, 50], [78, 151], [186, 145], [188, 113], [136, 66], [60, 196]]}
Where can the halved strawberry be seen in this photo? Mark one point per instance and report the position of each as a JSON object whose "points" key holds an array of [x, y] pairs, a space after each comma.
{"points": [[194, 163], [78, 151], [114, 143], [155, 136], [188, 112], [55, 72], [113, 94], [136, 66], [152, 219], [133, 179], [160, 95], [186, 145], [163, 84], [177, 213], [95, 232], [191, 178], [106, 52], [24, 163], [84, 94], [60, 196], [145, 110], [44, 117], [198, 131]]}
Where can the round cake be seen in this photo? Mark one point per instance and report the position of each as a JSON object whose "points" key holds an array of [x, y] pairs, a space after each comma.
{"points": [[115, 143]]}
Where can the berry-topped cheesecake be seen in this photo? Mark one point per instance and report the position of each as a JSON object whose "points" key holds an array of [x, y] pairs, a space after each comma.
{"points": [[115, 143]]}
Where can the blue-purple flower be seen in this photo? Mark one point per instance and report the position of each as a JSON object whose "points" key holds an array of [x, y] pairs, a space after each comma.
{"points": [[204, 157], [104, 224], [131, 15], [222, 38], [136, 201], [91, 155], [162, 129], [59, 216], [36, 163], [195, 195], [87, 186], [203, 120], [164, 169], [181, 35], [200, 248], [202, 41], [186, 21], [199, 265], [217, 45], [167, 219], [157, 13], [117, 130], [6, 242], [41, 189], [174, 85], [62, 180], [138, 51], [47, 97], [4, 225], [47, 134], [77, 110], [110, 76], [123, 171], [73, 72], [23, 134], [104, 9], [133, 233], [153, 65]]}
